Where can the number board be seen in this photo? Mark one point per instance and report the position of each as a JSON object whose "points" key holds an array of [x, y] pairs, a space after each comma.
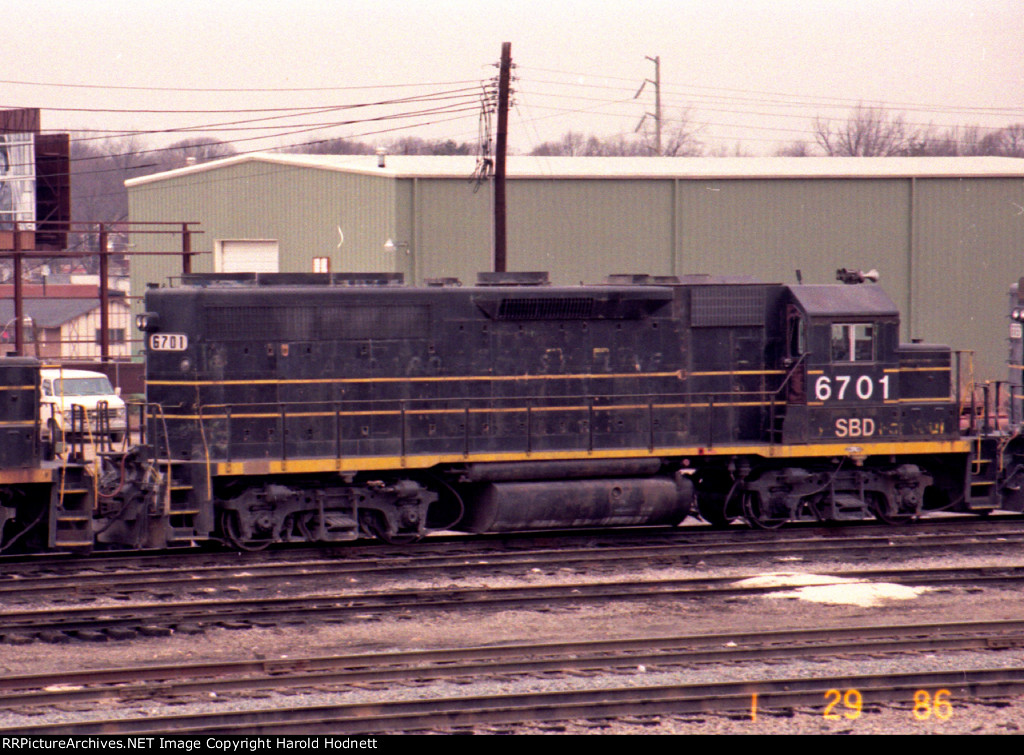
{"points": [[168, 342]]}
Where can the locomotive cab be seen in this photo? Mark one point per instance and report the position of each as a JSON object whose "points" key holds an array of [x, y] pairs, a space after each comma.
{"points": [[868, 413], [841, 361]]}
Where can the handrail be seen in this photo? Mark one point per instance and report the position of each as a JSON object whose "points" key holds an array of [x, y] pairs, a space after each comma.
{"points": [[776, 395], [792, 370], [645, 412]]}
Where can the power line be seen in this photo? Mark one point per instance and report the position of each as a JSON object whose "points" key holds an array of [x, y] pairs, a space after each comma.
{"points": [[454, 101], [194, 111], [809, 100], [114, 87], [277, 169]]}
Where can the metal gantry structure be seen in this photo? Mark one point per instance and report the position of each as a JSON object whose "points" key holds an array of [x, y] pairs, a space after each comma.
{"points": [[22, 249]]}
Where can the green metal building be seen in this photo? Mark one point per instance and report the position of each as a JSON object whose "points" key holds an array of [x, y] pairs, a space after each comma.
{"points": [[946, 234]]}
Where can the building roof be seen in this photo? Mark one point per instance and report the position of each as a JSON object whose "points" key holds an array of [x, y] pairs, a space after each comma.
{"points": [[56, 291], [693, 168], [51, 312]]}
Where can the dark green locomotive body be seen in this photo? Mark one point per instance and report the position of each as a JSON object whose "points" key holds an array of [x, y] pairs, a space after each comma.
{"points": [[721, 383]]}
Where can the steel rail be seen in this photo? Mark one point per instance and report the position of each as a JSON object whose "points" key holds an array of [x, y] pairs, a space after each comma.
{"points": [[156, 682], [445, 713], [338, 606], [198, 576]]}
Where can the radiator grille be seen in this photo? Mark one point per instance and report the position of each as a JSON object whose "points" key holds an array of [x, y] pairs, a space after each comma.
{"points": [[568, 308], [727, 306]]}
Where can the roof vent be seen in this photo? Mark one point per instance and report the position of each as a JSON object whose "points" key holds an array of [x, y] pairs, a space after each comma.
{"points": [[512, 279], [382, 155], [641, 279], [628, 279]]}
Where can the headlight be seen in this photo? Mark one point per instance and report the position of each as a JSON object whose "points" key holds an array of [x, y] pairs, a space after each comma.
{"points": [[147, 321]]}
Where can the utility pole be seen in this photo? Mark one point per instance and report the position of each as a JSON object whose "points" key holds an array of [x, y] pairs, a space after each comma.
{"points": [[104, 294], [19, 294], [500, 148], [657, 102]]}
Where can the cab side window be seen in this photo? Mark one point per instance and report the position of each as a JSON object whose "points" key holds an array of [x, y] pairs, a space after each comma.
{"points": [[853, 342], [47, 391]]}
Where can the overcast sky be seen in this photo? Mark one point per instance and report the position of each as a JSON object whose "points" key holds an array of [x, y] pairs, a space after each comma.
{"points": [[753, 73]]}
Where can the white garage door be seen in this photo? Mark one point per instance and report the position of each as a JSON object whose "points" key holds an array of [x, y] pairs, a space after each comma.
{"points": [[246, 256]]}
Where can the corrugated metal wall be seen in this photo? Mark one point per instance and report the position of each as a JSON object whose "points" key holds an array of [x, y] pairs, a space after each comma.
{"points": [[947, 249], [449, 227], [584, 230], [302, 208], [770, 228], [968, 249]]}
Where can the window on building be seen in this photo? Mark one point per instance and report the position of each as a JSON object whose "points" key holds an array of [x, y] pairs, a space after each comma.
{"points": [[321, 264], [853, 342], [116, 335]]}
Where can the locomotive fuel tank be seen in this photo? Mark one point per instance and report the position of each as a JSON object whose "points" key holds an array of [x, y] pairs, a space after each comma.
{"points": [[543, 504]]}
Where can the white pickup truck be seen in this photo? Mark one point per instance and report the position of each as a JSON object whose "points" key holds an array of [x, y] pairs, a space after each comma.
{"points": [[61, 389]]}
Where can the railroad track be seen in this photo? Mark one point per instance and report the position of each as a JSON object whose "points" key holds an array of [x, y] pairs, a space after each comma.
{"points": [[197, 574], [613, 699], [403, 667], [129, 620]]}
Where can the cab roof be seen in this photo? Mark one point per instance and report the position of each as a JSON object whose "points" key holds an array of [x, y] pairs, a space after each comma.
{"points": [[842, 300]]}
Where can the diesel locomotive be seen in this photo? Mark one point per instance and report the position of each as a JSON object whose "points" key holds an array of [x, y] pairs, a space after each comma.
{"points": [[329, 407]]}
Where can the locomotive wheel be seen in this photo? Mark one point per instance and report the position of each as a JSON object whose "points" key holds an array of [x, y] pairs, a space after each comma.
{"points": [[758, 514], [397, 539], [879, 509], [231, 529], [372, 523]]}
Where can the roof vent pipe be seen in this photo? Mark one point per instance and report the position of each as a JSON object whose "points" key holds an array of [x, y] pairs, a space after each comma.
{"points": [[381, 157]]}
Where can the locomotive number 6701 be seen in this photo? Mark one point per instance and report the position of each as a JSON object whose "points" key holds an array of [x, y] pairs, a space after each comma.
{"points": [[168, 342], [851, 388]]}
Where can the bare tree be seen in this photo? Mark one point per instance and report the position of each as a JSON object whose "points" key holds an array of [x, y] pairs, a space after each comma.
{"points": [[724, 150], [679, 136], [868, 132], [1013, 140], [406, 145], [1006, 142], [340, 146], [795, 149], [98, 173], [618, 145], [199, 150], [969, 140], [414, 145], [570, 144], [681, 142], [575, 144]]}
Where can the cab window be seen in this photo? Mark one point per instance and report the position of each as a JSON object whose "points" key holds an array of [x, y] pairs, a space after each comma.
{"points": [[853, 342]]}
